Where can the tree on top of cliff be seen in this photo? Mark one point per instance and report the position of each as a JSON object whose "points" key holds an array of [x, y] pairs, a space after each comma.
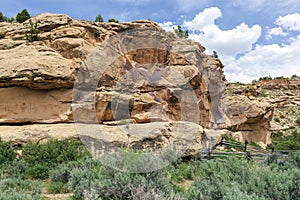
{"points": [[1, 17], [180, 32], [23, 16], [215, 54], [113, 20], [99, 18]]}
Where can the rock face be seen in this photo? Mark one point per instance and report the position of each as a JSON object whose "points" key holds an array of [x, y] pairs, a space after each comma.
{"points": [[24, 105], [182, 137], [251, 118], [111, 73], [53, 63], [281, 95]]}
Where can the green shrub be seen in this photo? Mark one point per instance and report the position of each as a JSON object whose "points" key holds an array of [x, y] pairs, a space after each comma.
{"points": [[263, 93], [265, 78], [289, 142], [57, 187], [60, 175], [294, 76], [298, 121], [7, 153], [184, 171], [43, 157], [15, 169], [276, 119], [295, 157], [23, 16], [95, 181], [113, 20], [31, 34], [239, 179], [180, 32], [233, 143], [17, 189]]}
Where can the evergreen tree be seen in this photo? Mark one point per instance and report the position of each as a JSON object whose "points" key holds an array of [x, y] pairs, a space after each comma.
{"points": [[11, 20], [99, 18], [215, 54], [1, 17], [31, 34], [23, 16], [180, 32]]}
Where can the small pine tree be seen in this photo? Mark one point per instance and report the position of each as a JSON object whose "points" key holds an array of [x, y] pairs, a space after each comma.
{"points": [[11, 20], [1, 17], [31, 35], [23, 16], [215, 54], [113, 20], [180, 32], [99, 18]]}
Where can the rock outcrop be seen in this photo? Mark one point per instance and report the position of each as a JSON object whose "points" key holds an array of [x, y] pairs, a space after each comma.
{"points": [[114, 73], [250, 118], [53, 63], [280, 83], [281, 94]]}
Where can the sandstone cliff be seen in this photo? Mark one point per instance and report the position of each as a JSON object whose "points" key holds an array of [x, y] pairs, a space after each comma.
{"points": [[281, 94], [80, 71]]}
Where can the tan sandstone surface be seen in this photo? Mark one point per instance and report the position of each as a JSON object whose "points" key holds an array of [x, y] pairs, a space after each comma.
{"points": [[44, 84]]}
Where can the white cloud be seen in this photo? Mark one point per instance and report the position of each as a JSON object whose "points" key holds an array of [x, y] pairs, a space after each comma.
{"points": [[203, 19], [277, 31], [168, 26], [243, 58], [264, 60], [289, 22], [228, 42]]}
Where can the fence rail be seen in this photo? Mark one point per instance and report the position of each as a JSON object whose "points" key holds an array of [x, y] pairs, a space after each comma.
{"points": [[247, 151]]}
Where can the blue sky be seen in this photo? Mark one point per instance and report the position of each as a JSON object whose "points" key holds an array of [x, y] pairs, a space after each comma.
{"points": [[253, 38]]}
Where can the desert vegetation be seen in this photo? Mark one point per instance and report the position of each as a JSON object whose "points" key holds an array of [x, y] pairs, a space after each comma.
{"points": [[58, 167]]}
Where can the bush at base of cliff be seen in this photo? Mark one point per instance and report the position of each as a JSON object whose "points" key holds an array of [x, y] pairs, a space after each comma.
{"points": [[7, 153], [43, 157]]}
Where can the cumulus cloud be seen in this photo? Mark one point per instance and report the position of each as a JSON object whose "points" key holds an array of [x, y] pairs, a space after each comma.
{"points": [[264, 60], [277, 31], [289, 22], [228, 42], [168, 26], [245, 56], [203, 19]]}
